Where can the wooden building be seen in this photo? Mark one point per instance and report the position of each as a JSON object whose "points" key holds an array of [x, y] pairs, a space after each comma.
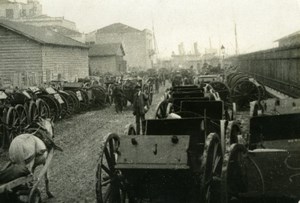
{"points": [[105, 58], [32, 55]]}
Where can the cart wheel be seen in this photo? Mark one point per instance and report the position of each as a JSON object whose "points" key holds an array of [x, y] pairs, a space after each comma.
{"points": [[35, 197], [212, 168], [129, 130], [234, 173], [23, 118], [244, 92], [110, 186], [33, 112], [75, 101], [222, 89], [43, 108], [161, 110], [12, 122], [232, 131]]}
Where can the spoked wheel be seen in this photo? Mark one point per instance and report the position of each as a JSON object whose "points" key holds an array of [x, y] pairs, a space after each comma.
{"points": [[222, 89], [110, 186], [212, 169], [43, 108], [233, 130], [12, 122], [129, 130], [234, 173], [33, 112], [244, 92], [84, 104], [23, 118], [161, 110], [53, 105], [69, 101], [75, 100]]}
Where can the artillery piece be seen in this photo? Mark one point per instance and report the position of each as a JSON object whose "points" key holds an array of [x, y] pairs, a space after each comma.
{"points": [[267, 169], [179, 94], [245, 89], [178, 160]]}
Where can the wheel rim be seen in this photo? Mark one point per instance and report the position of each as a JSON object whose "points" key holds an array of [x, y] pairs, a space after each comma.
{"points": [[23, 118], [245, 92], [44, 111], [12, 122], [33, 112], [212, 163], [234, 172], [110, 184]]}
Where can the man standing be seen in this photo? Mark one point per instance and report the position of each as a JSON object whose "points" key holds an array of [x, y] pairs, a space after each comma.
{"points": [[140, 108], [118, 98]]}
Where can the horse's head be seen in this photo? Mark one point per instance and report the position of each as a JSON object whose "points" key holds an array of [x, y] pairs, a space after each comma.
{"points": [[47, 125]]}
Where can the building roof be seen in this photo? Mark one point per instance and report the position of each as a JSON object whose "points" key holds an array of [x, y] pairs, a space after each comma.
{"points": [[289, 36], [106, 49], [118, 28], [63, 30], [41, 35]]}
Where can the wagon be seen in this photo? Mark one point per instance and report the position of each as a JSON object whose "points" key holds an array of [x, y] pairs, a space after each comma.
{"points": [[267, 168], [178, 160], [172, 102], [245, 89]]}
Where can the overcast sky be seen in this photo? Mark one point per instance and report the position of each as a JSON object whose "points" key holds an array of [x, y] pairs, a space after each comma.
{"points": [[259, 22]]}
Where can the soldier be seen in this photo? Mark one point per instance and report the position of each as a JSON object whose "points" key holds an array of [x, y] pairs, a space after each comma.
{"points": [[140, 108], [118, 98]]}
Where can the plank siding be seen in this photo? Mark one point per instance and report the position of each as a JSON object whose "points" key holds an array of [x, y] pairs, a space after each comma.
{"points": [[103, 64], [277, 68], [20, 59], [64, 63]]}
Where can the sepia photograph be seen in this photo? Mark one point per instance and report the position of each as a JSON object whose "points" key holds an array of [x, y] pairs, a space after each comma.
{"points": [[149, 101]]}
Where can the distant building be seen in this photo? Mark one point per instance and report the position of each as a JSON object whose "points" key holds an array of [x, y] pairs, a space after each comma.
{"points": [[187, 61], [32, 55], [16, 10], [57, 24], [137, 43], [105, 58], [289, 40]]}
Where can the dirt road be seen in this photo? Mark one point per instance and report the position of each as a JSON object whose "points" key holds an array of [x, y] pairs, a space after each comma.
{"points": [[72, 174]]}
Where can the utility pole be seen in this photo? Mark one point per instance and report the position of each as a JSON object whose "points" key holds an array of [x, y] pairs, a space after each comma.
{"points": [[236, 41]]}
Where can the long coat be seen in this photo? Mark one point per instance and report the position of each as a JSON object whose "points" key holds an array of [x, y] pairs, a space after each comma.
{"points": [[139, 102]]}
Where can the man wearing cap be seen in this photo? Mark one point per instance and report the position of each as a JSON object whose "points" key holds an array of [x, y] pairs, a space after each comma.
{"points": [[140, 108]]}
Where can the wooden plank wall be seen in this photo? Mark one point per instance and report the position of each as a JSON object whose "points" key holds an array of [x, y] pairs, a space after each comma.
{"points": [[20, 60], [67, 63], [278, 68]]}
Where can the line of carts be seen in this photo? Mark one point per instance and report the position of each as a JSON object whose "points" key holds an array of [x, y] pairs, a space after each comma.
{"points": [[202, 154], [21, 108]]}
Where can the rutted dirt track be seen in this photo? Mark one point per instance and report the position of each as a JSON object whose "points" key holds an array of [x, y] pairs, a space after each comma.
{"points": [[72, 172]]}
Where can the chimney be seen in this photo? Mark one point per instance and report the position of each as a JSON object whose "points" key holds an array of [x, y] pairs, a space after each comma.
{"points": [[181, 49], [196, 51]]}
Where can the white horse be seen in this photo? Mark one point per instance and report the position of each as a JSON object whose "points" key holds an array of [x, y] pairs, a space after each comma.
{"points": [[33, 149]]}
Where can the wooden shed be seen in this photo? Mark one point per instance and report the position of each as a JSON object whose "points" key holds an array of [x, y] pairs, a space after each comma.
{"points": [[105, 58], [32, 55]]}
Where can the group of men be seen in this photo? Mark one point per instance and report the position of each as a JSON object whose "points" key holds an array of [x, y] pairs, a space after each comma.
{"points": [[140, 104]]}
